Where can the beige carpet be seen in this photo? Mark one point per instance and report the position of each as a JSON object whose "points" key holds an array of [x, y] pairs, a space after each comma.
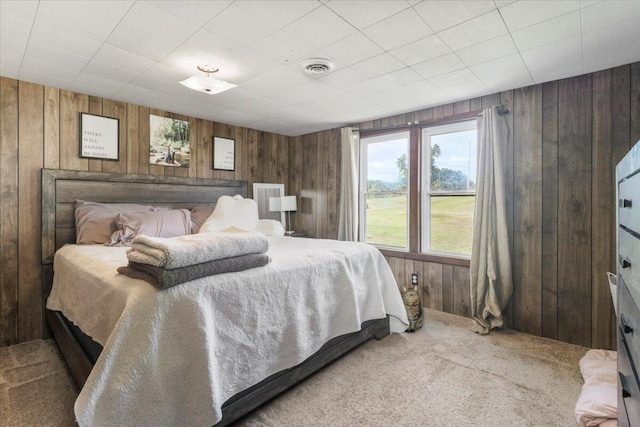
{"points": [[443, 375]]}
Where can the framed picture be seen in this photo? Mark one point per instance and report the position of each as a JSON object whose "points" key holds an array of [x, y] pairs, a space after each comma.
{"points": [[168, 142], [224, 153], [98, 137], [262, 194]]}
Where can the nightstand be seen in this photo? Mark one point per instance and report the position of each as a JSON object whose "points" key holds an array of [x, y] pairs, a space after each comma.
{"points": [[298, 234]]}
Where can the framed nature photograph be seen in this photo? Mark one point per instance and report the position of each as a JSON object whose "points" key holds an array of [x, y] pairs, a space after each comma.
{"points": [[224, 153], [169, 142], [98, 137]]}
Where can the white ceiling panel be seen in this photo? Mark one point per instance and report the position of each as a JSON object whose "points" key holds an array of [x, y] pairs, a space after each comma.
{"points": [[151, 32], [398, 30], [362, 14], [474, 31], [240, 26], [421, 50], [552, 30], [391, 56], [320, 27], [441, 15], [522, 14], [16, 17], [351, 49], [378, 65], [487, 50], [196, 12]]}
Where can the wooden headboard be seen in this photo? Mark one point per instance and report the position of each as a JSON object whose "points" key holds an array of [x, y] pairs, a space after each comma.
{"points": [[61, 188]]}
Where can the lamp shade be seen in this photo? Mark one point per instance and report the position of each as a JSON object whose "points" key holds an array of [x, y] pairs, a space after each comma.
{"points": [[275, 204], [289, 204]]}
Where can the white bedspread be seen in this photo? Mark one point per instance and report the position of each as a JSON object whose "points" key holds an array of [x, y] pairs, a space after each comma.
{"points": [[173, 357]]}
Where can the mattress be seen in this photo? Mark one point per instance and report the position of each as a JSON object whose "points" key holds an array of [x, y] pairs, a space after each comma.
{"points": [[173, 357]]}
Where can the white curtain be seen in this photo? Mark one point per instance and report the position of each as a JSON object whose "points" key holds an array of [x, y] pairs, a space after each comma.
{"points": [[348, 207], [491, 280]]}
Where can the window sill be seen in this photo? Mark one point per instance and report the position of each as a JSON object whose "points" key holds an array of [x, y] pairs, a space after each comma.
{"points": [[440, 259]]}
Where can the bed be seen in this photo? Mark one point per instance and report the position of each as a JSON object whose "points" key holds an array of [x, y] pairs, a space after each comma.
{"points": [[62, 188]]}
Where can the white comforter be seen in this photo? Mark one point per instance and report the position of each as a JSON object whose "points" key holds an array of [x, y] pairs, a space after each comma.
{"points": [[173, 357]]}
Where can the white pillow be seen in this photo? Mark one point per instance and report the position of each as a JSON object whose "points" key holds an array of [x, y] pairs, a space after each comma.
{"points": [[270, 227], [232, 212]]}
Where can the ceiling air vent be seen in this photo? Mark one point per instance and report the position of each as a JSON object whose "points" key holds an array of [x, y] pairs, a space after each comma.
{"points": [[317, 66]]}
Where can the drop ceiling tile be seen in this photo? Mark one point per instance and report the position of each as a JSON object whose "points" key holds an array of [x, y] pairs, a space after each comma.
{"points": [[127, 60], [468, 90], [320, 28], [36, 66], [474, 31], [422, 50], [552, 30], [488, 50], [150, 31], [169, 72], [208, 45], [498, 66], [552, 53], [352, 49], [441, 15], [46, 79], [523, 14], [196, 12], [9, 71], [94, 19], [277, 12], [378, 65], [362, 14], [53, 56], [302, 91], [275, 81], [512, 79], [385, 82], [609, 47], [64, 40], [602, 15], [437, 66], [283, 47], [16, 17], [100, 69], [343, 78], [240, 26], [500, 3], [413, 94], [96, 85], [571, 65], [397, 30], [12, 50], [253, 63], [164, 87], [454, 78]]}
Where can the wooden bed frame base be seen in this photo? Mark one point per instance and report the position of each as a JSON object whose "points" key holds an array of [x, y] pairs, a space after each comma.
{"points": [[80, 363]]}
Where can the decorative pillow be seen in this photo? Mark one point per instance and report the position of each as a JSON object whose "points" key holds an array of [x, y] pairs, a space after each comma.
{"points": [[232, 211], [270, 227], [94, 221], [170, 223], [199, 215]]}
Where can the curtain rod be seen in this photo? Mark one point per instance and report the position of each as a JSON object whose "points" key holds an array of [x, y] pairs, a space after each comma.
{"points": [[452, 118]]}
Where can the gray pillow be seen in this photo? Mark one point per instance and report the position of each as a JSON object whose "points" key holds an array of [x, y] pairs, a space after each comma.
{"points": [[169, 223]]}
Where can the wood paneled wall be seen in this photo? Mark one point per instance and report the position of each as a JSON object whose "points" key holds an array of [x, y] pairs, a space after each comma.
{"points": [[39, 127], [565, 139]]}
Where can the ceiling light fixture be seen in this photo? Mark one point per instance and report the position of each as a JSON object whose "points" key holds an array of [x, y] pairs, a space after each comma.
{"points": [[205, 83], [317, 66]]}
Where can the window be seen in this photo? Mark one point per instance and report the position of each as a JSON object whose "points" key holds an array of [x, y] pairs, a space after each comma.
{"points": [[449, 164], [384, 190]]}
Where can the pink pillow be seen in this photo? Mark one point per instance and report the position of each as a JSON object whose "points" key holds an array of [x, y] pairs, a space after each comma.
{"points": [[94, 221], [170, 223]]}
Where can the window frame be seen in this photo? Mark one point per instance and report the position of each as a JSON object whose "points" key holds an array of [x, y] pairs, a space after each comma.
{"points": [[425, 184], [415, 127], [363, 191]]}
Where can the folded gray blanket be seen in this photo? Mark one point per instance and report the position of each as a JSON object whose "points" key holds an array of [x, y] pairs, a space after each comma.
{"points": [[182, 251], [162, 278]]}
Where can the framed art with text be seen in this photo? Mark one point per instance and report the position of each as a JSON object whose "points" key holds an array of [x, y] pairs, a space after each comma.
{"points": [[224, 153], [98, 137]]}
